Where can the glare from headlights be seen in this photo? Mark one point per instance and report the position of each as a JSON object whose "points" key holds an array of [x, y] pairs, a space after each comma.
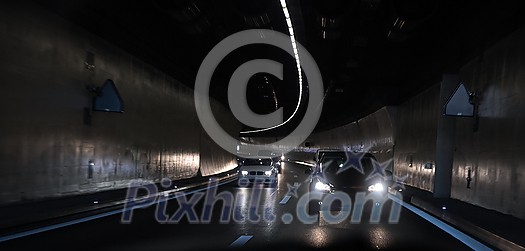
{"points": [[268, 173], [377, 187], [282, 157], [244, 172], [322, 186]]}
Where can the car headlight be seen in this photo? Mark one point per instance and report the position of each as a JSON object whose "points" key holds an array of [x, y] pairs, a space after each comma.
{"points": [[282, 157], [377, 187], [322, 187], [244, 172], [267, 173]]}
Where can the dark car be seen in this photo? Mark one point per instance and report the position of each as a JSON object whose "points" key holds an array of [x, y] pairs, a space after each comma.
{"points": [[319, 154], [335, 171]]}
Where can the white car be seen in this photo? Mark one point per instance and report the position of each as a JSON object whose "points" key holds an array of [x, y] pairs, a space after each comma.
{"points": [[260, 171]]}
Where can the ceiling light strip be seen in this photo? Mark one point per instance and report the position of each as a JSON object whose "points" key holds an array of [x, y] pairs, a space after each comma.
{"points": [[297, 61]]}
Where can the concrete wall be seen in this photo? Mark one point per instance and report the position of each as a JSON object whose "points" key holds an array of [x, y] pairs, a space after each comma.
{"points": [[492, 150], [415, 142], [405, 134], [495, 152], [373, 133], [44, 145]]}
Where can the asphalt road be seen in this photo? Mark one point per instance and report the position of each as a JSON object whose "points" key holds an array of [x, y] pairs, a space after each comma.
{"points": [[159, 228]]}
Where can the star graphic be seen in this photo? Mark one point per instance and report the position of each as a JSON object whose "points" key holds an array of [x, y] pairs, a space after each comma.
{"points": [[379, 169], [399, 182], [292, 190], [326, 163], [353, 160]]}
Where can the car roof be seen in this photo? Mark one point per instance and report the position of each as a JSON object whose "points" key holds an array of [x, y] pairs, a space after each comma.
{"points": [[330, 150], [321, 154], [259, 159]]}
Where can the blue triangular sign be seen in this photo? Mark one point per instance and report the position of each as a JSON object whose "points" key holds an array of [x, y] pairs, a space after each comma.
{"points": [[108, 99], [459, 103]]}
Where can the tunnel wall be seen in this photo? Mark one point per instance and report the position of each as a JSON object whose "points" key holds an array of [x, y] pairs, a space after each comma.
{"points": [[495, 151], [416, 138], [45, 146], [403, 134], [373, 133]]}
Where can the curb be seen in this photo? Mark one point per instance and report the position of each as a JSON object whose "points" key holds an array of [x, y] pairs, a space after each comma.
{"points": [[466, 226], [78, 212]]}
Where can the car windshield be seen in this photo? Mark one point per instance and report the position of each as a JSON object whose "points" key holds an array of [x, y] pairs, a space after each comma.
{"points": [[339, 172], [323, 155], [258, 162]]}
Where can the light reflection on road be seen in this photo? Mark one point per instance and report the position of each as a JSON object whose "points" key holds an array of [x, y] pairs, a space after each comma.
{"points": [[318, 237], [380, 238]]}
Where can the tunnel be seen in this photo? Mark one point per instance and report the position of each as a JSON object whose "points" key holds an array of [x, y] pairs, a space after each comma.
{"points": [[262, 124]]}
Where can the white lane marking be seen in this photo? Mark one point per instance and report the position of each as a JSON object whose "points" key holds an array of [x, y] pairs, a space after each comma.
{"points": [[240, 241], [296, 184], [303, 163], [88, 218], [285, 200], [295, 176], [467, 240], [274, 191]]}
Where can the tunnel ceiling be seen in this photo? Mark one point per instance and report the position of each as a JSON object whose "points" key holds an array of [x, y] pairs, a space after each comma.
{"points": [[371, 53]]}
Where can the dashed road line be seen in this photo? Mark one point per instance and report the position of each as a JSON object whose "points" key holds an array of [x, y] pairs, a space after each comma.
{"points": [[303, 163], [241, 241], [285, 200]]}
